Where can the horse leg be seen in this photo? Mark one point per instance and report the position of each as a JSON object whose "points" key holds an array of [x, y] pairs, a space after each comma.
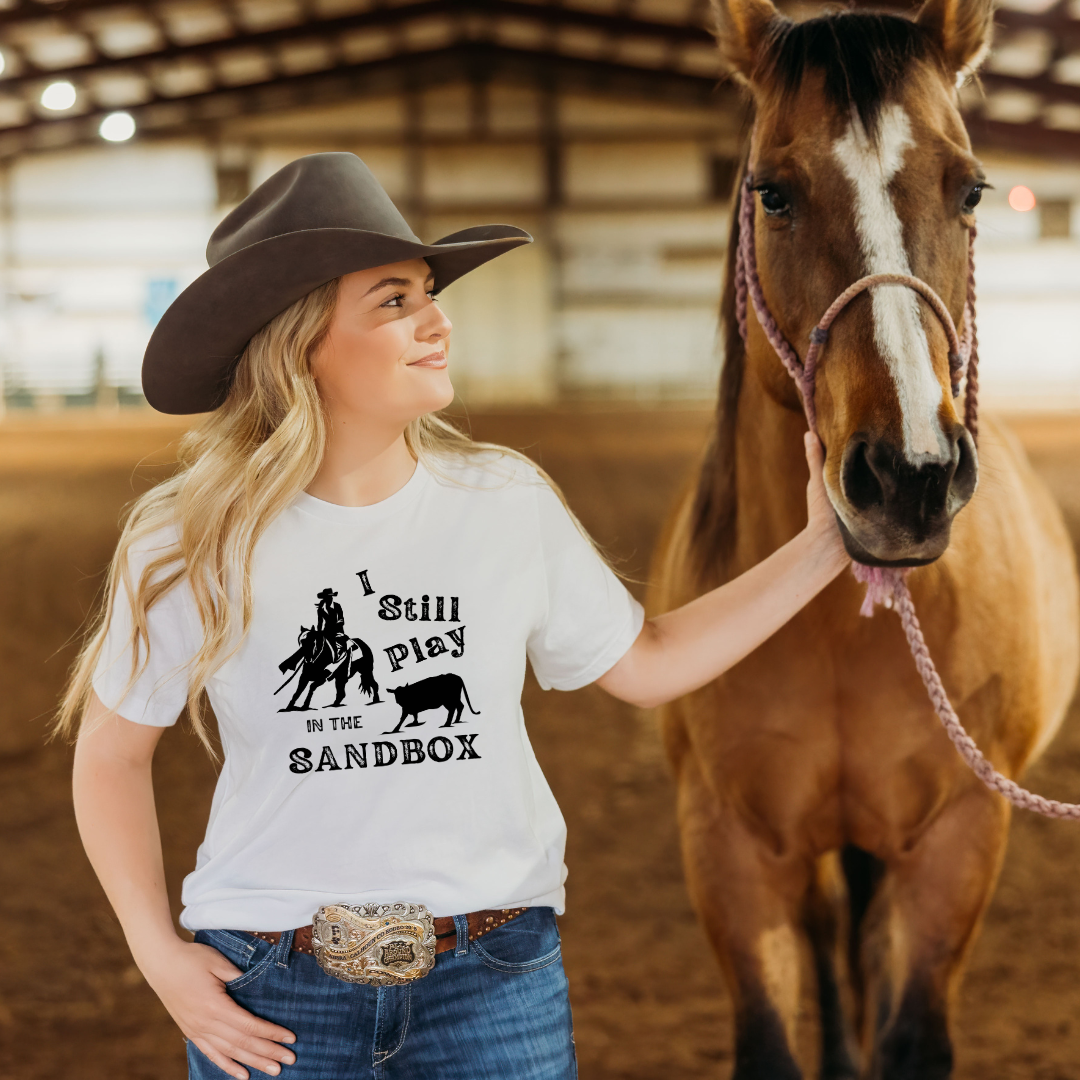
{"points": [[313, 685], [824, 906], [368, 683], [341, 680], [299, 690], [926, 917], [748, 894]]}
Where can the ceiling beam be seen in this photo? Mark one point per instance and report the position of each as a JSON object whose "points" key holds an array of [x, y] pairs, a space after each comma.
{"points": [[391, 15], [1056, 22], [1025, 139], [204, 112], [29, 11], [460, 13], [207, 50], [1041, 85], [468, 60]]}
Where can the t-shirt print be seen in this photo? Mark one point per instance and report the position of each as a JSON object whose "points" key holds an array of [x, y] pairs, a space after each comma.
{"points": [[327, 659], [374, 745]]}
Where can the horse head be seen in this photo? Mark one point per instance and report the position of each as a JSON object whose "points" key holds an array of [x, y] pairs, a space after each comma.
{"points": [[862, 165]]}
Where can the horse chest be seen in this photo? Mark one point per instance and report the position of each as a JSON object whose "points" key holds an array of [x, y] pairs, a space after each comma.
{"points": [[824, 740]]}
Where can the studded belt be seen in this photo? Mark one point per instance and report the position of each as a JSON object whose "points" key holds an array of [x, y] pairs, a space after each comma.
{"points": [[433, 936]]}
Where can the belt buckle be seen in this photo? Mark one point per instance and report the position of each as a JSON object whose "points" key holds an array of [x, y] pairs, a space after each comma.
{"points": [[377, 944]]}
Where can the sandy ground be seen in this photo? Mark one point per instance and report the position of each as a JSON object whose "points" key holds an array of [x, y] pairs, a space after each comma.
{"points": [[648, 999]]}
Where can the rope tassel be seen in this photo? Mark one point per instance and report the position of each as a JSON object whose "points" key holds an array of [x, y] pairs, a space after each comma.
{"points": [[881, 586]]}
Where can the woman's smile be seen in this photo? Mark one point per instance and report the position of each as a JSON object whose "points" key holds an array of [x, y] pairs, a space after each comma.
{"points": [[432, 360]]}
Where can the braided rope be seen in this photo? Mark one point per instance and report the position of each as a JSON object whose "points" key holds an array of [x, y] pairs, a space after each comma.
{"points": [[746, 271], [964, 743], [821, 331], [971, 352], [888, 586]]}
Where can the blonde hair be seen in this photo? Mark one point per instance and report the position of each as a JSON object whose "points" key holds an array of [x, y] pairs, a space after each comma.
{"points": [[239, 468]]}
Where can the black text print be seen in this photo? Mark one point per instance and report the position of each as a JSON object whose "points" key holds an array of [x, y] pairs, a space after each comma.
{"points": [[410, 752], [434, 646]]}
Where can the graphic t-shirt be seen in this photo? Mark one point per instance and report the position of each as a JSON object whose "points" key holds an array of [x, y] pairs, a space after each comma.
{"points": [[375, 747]]}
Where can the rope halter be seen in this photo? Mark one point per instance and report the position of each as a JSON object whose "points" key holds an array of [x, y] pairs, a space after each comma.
{"points": [[963, 353]]}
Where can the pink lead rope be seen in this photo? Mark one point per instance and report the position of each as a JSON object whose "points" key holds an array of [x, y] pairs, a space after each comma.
{"points": [[889, 586]]}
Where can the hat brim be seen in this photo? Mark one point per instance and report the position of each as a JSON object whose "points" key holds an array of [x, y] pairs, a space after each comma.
{"points": [[189, 361]]}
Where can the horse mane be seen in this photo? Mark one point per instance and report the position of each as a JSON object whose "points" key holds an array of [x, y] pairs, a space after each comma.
{"points": [[712, 520], [865, 57]]}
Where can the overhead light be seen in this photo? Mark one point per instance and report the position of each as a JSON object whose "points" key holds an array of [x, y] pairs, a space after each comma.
{"points": [[117, 127], [58, 96], [1022, 198]]}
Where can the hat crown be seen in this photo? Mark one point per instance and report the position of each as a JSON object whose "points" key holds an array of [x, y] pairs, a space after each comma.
{"points": [[319, 191]]}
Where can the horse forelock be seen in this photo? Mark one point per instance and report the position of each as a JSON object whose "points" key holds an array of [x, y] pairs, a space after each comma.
{"points": [[865, 58]]}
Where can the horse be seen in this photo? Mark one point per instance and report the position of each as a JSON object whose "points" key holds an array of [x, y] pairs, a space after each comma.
{"points": [[823, 813], [319, 664]]}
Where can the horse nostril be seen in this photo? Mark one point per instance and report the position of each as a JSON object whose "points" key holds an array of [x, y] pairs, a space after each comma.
{"points": [[862, 487], [965, 476]]}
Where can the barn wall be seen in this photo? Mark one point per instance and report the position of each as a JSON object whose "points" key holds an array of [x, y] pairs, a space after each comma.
{"points": [[617, 296]]}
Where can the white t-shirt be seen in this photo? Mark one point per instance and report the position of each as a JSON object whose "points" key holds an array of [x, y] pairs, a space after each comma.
{"points": [[428, 601]]}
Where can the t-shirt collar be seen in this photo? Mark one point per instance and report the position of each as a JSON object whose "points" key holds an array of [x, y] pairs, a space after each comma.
{"points": [[401, 498]]}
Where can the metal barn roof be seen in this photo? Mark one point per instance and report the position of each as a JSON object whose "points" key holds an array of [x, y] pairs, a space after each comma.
{"points": [[185, 66]]}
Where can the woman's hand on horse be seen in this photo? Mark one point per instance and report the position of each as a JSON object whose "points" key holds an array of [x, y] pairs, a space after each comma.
{"points": [[190, 980], [821, 518], [684, 649]]}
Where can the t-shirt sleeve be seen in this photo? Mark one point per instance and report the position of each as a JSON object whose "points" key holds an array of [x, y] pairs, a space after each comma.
{"points": [[591, 620], [158, 696]]}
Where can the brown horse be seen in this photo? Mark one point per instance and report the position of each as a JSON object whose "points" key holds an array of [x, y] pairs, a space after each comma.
{"points": [[816, 768]]}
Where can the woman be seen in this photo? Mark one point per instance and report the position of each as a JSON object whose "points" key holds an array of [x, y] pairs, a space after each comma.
{"points": [[356, 586]]}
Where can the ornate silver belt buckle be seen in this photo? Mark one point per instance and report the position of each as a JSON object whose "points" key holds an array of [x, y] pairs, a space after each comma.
{"points": [[378, 944]]}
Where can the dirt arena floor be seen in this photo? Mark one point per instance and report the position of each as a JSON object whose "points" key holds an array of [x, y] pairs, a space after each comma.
{"points": [[648, 999]]}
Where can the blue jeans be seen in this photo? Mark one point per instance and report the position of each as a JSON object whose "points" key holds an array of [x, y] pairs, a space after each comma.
{"points": [[494, 1009]]}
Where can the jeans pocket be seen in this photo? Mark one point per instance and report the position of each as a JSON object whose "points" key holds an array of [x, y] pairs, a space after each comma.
{"points": [[527, 943], [251, 955]]}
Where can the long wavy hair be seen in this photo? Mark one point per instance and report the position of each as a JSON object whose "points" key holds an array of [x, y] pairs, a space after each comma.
{"points": [[239, 468]]}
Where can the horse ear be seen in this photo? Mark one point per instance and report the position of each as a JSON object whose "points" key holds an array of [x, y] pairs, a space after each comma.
{"points": [[741, 28], [962, 29]]}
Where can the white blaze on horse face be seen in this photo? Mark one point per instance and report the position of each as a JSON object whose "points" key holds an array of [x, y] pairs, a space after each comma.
{"points": [[898, 328]]}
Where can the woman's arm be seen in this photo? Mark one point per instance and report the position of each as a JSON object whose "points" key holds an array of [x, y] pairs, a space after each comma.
{"points": [[114, 806], [684, 649]]}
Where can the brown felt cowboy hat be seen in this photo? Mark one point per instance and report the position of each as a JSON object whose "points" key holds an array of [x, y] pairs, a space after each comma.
{"points": [[316, 219]]}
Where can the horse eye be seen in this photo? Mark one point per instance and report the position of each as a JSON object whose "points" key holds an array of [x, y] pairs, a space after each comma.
{"points": [[973, 197], [772, 202]]}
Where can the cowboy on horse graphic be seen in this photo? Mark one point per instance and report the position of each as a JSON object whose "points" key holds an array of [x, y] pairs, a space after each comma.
{"points": [[326, 653]]}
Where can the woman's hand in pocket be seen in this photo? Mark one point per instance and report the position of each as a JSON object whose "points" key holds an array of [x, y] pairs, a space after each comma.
{"points": [[190, 980]]}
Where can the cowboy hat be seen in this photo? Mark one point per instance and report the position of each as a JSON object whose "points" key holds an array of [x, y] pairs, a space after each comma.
{"points": [[316, 219], [326, 594]]}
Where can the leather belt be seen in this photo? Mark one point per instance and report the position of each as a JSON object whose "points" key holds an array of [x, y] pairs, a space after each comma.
{"points": [[480, 923]]}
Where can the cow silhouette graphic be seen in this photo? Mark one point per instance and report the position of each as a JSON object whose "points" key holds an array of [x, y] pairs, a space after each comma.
{"points": [[438, 692]]}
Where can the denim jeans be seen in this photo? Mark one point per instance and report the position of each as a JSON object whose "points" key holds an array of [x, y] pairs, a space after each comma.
{"points": [[494, 1009]]}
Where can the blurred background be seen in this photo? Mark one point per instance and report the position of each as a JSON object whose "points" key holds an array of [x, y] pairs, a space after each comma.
{"points": [[128, 128]]}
